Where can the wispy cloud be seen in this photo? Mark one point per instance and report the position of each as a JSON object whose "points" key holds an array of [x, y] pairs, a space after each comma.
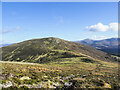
{"points": [[102, 37], [9, 29], [103, 28], [98, 37]]}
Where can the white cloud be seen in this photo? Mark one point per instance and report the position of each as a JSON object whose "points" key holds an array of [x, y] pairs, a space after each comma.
{"points": [[103, 28], [114, 26], [116, 36], [8, 29], [98, 27]]}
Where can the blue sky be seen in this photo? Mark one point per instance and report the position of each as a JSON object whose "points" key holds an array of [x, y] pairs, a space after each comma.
{"points": [[69, 21]]}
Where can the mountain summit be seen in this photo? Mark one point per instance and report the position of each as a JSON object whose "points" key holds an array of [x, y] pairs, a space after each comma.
{"points": [[50, 49]]}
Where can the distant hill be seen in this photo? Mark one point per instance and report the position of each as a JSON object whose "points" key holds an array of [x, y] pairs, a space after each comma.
{"points": [[50, 49], [3, 45], [106, 45]]}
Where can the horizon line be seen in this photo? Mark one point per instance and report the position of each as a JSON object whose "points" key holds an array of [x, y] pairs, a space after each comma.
{"points": [[59, 38]]}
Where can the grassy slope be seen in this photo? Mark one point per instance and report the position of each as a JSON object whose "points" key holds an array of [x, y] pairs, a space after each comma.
{"points": [[98, 73], [58, 59], [48, 49]]}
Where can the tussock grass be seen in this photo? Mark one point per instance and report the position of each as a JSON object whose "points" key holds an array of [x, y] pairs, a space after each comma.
{"points": [[97, 73]]}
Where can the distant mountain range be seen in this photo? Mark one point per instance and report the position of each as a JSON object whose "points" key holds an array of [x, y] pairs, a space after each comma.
{"points": [[50, 49], [106, 45]]}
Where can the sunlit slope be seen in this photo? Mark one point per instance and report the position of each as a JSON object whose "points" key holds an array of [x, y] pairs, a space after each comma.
{"points": [[50, 49], [80, 73]]}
